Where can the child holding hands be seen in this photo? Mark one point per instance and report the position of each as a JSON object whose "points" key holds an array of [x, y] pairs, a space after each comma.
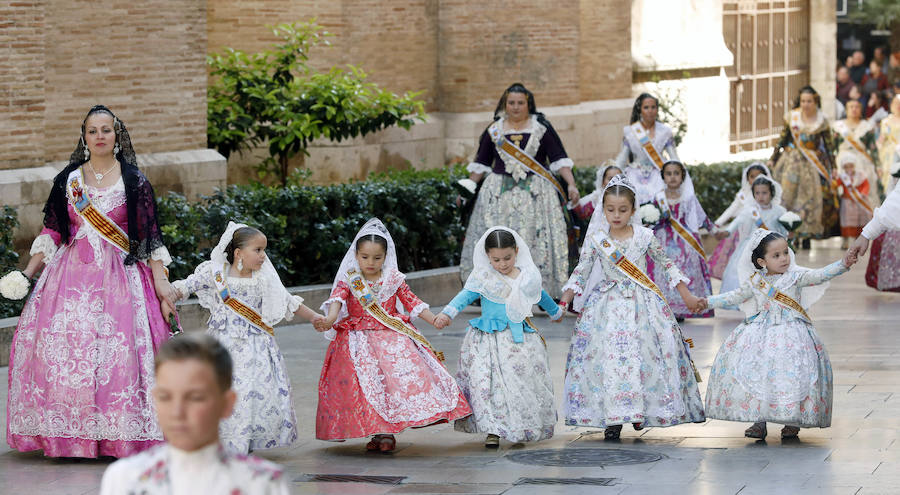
{"points": [[245, 298], [380, 375], [505, 375], [628, 362], [773, 366]]}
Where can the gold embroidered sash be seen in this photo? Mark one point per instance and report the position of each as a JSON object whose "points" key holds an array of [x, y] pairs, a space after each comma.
{"points": [[846, 133], [680, 229], [92, 216], [367, 300], [632, 271], [239, 307], [644, 140], [757, 219], [854, 194], [760, 283], [507, 148], [796, 120]]}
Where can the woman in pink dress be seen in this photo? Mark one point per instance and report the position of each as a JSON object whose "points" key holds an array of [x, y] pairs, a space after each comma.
{"points": [[81, 366], [380, 375]]}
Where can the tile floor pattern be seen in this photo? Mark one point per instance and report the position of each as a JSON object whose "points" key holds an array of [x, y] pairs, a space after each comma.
{"points": [[859, 454]]}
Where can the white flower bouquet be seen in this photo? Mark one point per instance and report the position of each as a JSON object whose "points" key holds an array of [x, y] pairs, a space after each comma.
{"points": [[895, 168], [466, 188], [790, 221], [14, 285], [649, 213]]}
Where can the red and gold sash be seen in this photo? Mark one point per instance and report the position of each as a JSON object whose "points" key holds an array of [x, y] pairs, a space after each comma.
{"points": [[644, 140], [367, 300], [854, 193], [239, 307], [796, 121], [626, 266], [846, 133], [92, 216], [760, 283], [506, 148], [677, 226]]}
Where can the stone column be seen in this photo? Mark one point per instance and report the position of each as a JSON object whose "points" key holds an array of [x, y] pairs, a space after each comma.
{"points": [[823, 51]]}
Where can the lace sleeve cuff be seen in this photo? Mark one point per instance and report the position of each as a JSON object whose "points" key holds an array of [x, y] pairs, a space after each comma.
{"points": [[161, 254], [43, 244], [450, 311], [478, 168], [416, 311], [676, 276], [561, 163]]}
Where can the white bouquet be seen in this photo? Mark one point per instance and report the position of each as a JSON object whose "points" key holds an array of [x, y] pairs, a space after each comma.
{"points": [[466, 188], [14, 285], [790, 221], [895, 168], [649, 213]]}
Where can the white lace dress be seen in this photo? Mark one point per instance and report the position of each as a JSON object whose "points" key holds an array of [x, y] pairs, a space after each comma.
{"points": [[627, 362], [773, 366], [264, 416]]}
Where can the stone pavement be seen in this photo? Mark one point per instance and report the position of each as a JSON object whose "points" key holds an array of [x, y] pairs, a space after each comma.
{"points": [[859, 454]]}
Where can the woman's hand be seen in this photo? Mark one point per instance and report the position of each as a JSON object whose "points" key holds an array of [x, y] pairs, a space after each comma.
{"points": [[574, 195], [165, 291]]}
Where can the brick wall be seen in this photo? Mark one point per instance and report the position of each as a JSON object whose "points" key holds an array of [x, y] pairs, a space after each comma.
{"points": [[145, 60], [462, 53], [21, 82]]}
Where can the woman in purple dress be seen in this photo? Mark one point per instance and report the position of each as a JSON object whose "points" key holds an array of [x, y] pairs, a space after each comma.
{"points": [[518, 155], [81, 366]]}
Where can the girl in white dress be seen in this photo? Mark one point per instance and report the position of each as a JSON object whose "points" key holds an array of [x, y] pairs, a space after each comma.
{"points": [[503, 368], [628, 362], [773, 366], [245, 298]]}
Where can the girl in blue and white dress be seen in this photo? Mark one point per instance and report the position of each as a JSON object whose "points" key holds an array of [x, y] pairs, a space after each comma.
{"points": [[628, 362], [503, 366], [263, 416], [763, 211], [773, 366]]}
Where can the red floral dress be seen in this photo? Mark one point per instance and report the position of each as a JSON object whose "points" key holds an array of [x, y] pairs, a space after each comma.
{"points": [[376, 380]]}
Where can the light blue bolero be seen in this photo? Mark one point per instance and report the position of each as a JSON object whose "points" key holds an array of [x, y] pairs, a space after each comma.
{"points": [[493, 315]]}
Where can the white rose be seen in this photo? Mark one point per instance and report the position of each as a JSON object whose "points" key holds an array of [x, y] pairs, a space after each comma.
{"points": [[649, 213], [14, 285], [789, 217]]}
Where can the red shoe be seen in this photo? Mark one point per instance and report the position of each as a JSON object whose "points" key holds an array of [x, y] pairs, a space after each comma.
{"points": [[387, 444], [374, 444]]}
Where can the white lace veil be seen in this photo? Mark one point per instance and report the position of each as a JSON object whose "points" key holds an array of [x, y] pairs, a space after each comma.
{"points": [[595, 195], [276, 300], [518, 294], [390, 275], [598, 219], [745, 268]]}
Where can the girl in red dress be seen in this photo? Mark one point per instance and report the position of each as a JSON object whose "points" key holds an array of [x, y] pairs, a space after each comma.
{"points": [[380, 375]]}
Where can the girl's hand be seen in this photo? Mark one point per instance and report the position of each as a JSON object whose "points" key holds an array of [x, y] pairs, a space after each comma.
{"points": [[701, 305], [850, 259], [441, 321], [318, 322], [574, 196]]}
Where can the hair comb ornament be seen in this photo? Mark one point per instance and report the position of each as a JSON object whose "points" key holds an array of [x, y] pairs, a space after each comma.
{"points": [[620, 180]]}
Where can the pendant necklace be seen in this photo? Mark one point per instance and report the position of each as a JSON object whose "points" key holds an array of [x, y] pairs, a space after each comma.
{"points": [[98, 175]]}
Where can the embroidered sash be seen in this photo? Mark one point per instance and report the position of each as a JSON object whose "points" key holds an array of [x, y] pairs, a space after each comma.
{"points": [[854, 193], [796, 121], [239, 307], [92, 215], [677, 226], [761, 284], [507, 149], [848, 136], [758, 219], [644, 140], [632, 271], [367, 300]]}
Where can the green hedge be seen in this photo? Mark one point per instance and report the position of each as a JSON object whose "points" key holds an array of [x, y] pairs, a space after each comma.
{"points": [[715, 183], [310, 227], [8, 257]]}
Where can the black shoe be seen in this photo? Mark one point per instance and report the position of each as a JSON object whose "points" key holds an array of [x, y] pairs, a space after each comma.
{"points": [[612, 432], [805, 244]]}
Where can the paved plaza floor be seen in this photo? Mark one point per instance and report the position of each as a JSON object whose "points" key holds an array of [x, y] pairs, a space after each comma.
{"points": [[858, 454]]}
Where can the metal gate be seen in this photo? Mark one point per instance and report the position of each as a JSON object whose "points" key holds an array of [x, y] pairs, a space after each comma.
{"points": [[770, 43]]}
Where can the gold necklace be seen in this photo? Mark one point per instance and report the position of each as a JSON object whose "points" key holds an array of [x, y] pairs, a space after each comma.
{"points": [[98, 175]]}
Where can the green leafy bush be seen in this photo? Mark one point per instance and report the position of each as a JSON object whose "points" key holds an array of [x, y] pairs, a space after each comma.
{"points": [[8, 257], [715, 184], [309, 228]]}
